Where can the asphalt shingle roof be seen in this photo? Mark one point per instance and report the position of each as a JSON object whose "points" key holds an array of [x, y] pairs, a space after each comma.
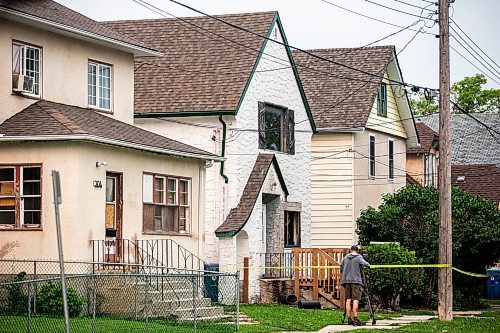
{"points": [[426, 136], [55, 12], [238, 216], [480, 179], [471, 142], [45, 118], [340, 97], [206, 63]]}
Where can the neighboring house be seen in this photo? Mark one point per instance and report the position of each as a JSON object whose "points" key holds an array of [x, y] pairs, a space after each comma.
{"points": [[237, 95], [364, 126], [478, 179], [475, 152], [422, 162], [66, 104]]}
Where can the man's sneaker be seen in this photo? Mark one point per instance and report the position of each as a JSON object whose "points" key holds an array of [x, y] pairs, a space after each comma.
{"points": [[357, 322], [350, 321]]}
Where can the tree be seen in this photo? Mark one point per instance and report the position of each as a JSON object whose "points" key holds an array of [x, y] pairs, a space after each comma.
{"points": [[410, 217], [423, 106], [471, 96]]}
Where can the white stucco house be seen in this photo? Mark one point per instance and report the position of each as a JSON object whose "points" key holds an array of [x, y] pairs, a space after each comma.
{"points": [[238, 96], [67, 104]]}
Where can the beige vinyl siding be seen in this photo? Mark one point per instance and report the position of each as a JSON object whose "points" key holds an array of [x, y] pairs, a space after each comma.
{"points": [[392, 124], [332, 190]]}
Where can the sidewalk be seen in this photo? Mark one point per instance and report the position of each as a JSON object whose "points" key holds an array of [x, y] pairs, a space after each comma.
{"points": [[381, 324]]}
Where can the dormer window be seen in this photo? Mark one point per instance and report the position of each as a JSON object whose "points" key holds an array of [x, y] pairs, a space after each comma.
{"points": [[99, 85], [26, 69], [382, 100]]}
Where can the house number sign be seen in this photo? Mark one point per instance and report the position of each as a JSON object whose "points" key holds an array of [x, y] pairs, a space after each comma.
{"points": [[97, 184]]}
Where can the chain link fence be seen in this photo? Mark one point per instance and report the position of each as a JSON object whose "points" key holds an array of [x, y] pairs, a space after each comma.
{"points": [[116, 298]]}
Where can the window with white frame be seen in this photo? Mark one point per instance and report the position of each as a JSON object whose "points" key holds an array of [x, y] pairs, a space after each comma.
{"points": [[166, 203], [99, 85], [372, 156], [391, 159], [429, 169], [27, 62], [20, 196]]}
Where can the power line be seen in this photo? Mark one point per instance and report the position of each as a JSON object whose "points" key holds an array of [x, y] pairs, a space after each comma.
{"points": [[286, 45], [394, 9], [369, 17], [452, 21], [470, 62], [419, 7]]}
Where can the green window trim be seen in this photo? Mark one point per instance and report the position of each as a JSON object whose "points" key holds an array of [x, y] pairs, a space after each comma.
{"points": [[382, 100]]}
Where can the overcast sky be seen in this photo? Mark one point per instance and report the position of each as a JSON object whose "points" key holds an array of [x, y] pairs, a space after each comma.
{"points": [[317, 24]]}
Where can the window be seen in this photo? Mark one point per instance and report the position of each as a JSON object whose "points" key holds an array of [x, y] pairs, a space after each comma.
{"points": [[26, 60], [382, 100], [276, 128], [99, 86], [166, 203], [20, 196], [429, 170], [372, 156], [292, 229], [391, 159]]}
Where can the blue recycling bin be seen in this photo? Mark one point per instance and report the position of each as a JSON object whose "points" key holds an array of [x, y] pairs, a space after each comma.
{"points": [[211, 282], [493, 285]]}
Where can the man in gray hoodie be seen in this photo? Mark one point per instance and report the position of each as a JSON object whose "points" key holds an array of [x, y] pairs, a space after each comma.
{"points": [[352, 281]]}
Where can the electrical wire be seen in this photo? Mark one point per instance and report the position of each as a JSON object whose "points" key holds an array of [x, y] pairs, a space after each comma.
{"points": [[470, 62]]}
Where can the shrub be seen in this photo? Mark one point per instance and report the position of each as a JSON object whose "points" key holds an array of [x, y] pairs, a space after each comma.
{"points": [[50, 301], [388, 286], [410, 217], [17, 301]]}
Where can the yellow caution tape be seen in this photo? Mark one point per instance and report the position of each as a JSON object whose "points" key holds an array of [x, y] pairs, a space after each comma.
{"points": [[371, 266]]}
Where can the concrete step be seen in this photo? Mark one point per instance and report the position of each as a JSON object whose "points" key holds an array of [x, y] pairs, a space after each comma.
{"points": [[167, 294], [176, 304], [224, 318], [202, 312]]}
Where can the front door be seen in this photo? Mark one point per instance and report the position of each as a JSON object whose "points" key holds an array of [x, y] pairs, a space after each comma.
{"points": [[113, 217]]}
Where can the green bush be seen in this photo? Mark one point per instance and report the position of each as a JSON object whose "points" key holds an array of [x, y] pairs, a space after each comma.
{"points": [[50, 301], [389, 286], [410, 217], [17, 301]]}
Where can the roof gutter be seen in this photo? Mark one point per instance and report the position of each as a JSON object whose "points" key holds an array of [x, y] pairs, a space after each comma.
{"points": [[340, 129], [143, 50], [223, 151], [184, 114], [97, 139]]}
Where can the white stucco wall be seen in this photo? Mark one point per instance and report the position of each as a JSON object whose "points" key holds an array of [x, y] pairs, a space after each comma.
{"points": [[64, 70], [83, 206]]}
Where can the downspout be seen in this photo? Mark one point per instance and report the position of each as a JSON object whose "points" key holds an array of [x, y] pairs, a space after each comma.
{"points": [[223, 150]]}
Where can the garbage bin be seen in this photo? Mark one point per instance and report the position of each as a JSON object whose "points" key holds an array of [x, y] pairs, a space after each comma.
{"points": [[211, 282], [493, 285]]}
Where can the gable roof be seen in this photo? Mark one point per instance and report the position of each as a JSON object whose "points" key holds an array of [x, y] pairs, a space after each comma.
{"points": [[238, 217], [480, 179], [338, 96], [201, 70], [53, 15], [471, 142], [49, 121], [427, 137]]}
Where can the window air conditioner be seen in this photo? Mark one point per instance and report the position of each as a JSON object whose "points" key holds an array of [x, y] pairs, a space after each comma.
{"points": [[22, 83]]}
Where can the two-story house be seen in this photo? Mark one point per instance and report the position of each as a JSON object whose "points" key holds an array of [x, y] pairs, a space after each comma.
{"points": [[364, 124], [67, 104], [237, 95]]}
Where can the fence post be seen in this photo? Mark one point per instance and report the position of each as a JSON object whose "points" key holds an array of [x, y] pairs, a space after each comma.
{"points": [[246, 264], [194, 302], [30, 286], [34, 296], [237, 284], [315, 271], [135, 295], [146, 303], [296, 273], [94, 300]]}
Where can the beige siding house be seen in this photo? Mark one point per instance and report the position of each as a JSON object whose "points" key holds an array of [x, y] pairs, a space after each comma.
{"points": [[364, 124], [66, 104]]}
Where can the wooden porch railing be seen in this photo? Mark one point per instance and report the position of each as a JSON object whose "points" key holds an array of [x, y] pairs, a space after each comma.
{"points": [[323, 281]]}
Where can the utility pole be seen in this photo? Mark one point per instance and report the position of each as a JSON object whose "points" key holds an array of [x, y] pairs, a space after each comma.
{"points": [[445, 286]]}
